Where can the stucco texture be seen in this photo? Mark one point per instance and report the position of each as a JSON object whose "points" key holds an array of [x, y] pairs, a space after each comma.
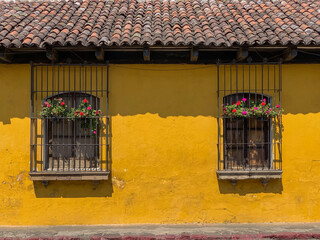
{"points": [[164, 154]]}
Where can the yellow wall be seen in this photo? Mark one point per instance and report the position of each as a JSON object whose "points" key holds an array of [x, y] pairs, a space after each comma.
{"points": [[164, 154]]}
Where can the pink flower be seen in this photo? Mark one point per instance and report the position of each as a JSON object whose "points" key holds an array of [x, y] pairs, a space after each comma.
{"points": [[94, 132], [244, 113], [267, 112], [270, 109], [244, 99], [89, 108], [278, 106], [255, 108], [263, 100], [48, 105]]}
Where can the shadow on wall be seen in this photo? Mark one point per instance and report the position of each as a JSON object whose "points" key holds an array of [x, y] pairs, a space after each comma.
{"points": [[15, 92], [73, 189], [250, 186], [166, 90]]}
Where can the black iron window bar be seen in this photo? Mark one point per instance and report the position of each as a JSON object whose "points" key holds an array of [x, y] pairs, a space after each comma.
{"points": [[253, 143], [61, 145]]}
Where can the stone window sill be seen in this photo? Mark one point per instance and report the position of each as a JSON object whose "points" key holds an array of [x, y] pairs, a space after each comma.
{"points": [[45, 177], [235, 175]]}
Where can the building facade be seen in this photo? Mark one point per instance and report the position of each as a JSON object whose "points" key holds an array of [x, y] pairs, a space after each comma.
{"points": [[141, 133]]}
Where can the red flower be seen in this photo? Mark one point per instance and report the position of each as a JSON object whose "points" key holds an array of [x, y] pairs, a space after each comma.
{"points": [[48, 105], [234, 110], [62, 103], [97, 112], [263, 103], [81, 113], [85, 100], [238, 103]]}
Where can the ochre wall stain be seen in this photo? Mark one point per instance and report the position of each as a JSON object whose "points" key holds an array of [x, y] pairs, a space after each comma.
{"points": [[164, 154]]}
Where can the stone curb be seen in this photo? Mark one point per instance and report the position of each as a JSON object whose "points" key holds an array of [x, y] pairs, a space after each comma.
{"points": [[184, 237]]}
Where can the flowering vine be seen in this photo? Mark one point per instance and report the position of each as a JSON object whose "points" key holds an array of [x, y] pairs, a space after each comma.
{"points": [[89, 117], [54, 108], [245, 109]]}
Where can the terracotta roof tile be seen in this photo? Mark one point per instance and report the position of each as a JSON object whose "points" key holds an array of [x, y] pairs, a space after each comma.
{"points": [[167, 22]]}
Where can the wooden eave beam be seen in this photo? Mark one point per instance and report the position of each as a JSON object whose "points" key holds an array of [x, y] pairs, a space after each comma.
{"points": [[146, 54], [289, 54], [5, 55], [99, 53], [242, 54], [194, 54]]}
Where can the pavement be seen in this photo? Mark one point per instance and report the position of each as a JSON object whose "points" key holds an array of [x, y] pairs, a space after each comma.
{"points": [[166, 232]]}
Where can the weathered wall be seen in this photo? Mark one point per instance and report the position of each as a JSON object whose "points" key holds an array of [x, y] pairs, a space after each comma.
{"points": [[164, 158]]}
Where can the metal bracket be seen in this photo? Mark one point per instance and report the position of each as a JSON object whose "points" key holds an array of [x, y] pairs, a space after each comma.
{"points": [[265, 182], [96, 183], [234, 183], [45, 183]]}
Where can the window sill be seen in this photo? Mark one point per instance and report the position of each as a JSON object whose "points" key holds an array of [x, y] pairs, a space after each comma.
{"points": [[69, 176], [248, 174]]}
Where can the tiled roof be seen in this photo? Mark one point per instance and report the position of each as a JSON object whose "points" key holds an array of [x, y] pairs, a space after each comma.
{"points": [[165, 22]]}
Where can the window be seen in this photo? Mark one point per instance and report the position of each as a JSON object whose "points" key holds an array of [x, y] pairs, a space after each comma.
{"points": [[249, 143], [69, 122]]}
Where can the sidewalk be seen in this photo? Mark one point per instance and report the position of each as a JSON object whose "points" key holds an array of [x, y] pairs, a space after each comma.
{"points": [[169, 232]]}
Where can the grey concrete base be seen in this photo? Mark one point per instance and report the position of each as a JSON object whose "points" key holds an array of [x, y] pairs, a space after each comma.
{"points": [[153, 229]]}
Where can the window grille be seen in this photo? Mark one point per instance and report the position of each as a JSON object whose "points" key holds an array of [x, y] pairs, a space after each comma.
{"points": [[67, 144], [249, 143]]}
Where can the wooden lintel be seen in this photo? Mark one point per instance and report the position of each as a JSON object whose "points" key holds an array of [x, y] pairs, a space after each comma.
{"points": [[99, 53], [52, 55], [289, 54], [242, 54], [146, 54], [5, 55], [194, 54]]}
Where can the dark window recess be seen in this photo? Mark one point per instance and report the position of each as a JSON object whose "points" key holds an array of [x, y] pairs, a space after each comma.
{"points": [[69, 146], [247, 141], [62, 148]]}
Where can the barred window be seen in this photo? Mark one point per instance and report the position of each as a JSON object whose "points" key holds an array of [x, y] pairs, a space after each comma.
{"points": [[69, 122], [249, 121]]}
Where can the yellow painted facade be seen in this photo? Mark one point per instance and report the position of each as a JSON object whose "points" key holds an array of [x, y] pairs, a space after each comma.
{"points": [[164, 154]]}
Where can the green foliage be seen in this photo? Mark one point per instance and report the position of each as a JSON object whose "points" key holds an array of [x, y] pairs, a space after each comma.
{"points": [[56, 108], [89, 117]]}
